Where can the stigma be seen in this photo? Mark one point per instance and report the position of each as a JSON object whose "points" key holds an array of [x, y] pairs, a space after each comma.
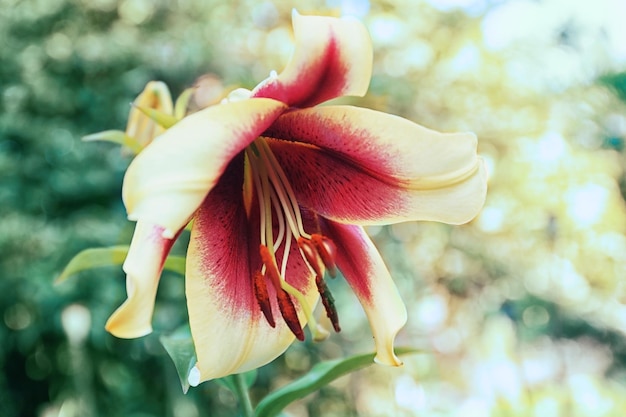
{"points": [[281, 226]]}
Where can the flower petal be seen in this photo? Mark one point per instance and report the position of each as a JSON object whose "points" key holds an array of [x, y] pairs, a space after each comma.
{"points": [[230, 333], [166, 182], [343, 190], [332, 58], [143, 266], [387, 145], [141, 127], [365, 271]]}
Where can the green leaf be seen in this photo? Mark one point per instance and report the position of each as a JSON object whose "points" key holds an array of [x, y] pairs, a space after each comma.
{"points": [[229, 383], [111, 256], [175, 264], [179, 346], [320, 375], [115, 136], [616, 82], [93, 258], [162, 119]]}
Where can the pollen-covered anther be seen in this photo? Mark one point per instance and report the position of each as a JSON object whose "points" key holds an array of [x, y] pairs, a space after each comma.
{"points": [[271, 271], [288, 310], [285, 304], [310, 254], [263, 298], [328, 301], [327, 252]]}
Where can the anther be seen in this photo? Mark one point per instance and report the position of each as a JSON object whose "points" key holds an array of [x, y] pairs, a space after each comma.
{"points": [[286, 306], [327, 251], [263, 298], [288, 310], [310, 254], [328, 301], [270, 264]]}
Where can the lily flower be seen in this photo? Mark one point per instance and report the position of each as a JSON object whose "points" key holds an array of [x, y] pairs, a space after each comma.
{"points": [[279, 190]]}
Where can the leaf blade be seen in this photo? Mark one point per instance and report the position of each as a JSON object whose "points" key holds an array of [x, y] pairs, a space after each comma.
{"points": [[116, 136], [180, 348], [320, 375], [110, 256], [93, 258]]}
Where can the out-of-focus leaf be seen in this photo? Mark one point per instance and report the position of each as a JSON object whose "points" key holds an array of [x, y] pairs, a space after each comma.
{"points": [[110, 256], [229, 381], [179, 346], [175, 264], [617, 82], [115, 136], [94, 258], [162, 119], [320, 375]]}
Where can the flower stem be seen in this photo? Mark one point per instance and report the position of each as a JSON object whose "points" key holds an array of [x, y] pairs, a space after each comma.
{"points": [[243, 395]]}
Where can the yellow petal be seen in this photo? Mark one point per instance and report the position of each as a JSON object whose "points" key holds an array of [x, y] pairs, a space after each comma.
{"points": [[362, 266], [332, 58], [385, 168], [166, 183], [141, 127], [230, 333], [143, 265]]}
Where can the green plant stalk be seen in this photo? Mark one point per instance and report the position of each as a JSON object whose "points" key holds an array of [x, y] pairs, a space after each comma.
{"points": [[243, 395]]}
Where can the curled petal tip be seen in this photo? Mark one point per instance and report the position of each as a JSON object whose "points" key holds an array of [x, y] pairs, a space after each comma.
{"points": [[385, 354], [194, 378], [369, 278], [119, 328], [389, 361]]}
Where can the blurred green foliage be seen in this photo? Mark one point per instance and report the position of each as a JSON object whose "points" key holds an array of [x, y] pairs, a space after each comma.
{"points": [[617, 82], [62, 76], [534, 284]]}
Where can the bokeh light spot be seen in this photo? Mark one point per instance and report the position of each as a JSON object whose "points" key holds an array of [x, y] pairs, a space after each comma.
{"points": [[586, 204], [536, 315], [136, 12], [18, 317], [59, 46]]}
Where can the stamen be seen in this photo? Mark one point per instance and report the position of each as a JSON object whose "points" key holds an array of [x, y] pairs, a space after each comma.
{"points": [[271, 271], [286, 250], [281, 221], [327, 251], [275, 195], [288, 310], [270, 266], [306, 309], [329, 302], [284, 191], [267, 201], [310, 254], [262, 296], [259, 189]]}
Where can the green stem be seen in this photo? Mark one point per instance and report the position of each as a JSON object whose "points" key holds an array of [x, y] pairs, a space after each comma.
{"points": [[243, 395]]}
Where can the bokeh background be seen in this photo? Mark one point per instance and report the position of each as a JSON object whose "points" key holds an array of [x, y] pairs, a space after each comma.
{"points": [[522, 312]]}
